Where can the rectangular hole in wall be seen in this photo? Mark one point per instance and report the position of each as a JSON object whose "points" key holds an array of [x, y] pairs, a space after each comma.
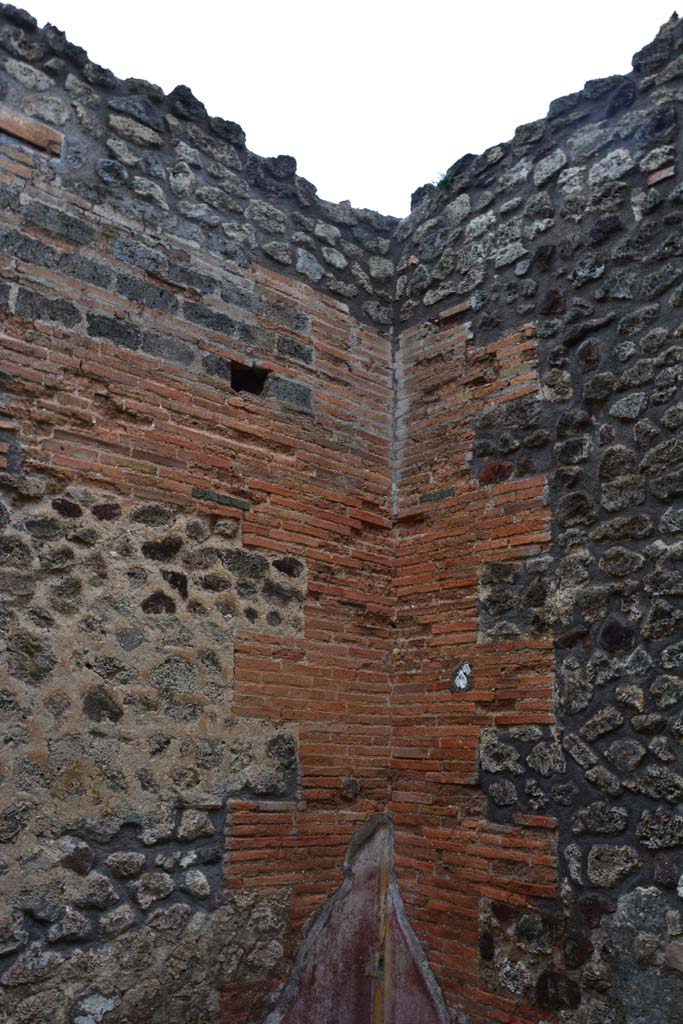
{"points": [[248, 378]]}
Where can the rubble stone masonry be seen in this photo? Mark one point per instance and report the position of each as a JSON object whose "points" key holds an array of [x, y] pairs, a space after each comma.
{"points": [[341, 567]]}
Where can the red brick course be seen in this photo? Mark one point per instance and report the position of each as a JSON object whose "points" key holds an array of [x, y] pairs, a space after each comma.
{"points": [[392, 593], [448, 856]]}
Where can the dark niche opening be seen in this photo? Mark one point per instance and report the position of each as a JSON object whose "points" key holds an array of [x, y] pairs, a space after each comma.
{"points": [[248, 378]]}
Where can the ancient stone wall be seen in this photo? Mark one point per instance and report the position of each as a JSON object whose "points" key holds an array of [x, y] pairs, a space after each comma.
{"points": [[539, 613], [340, 661], [195, 575]]}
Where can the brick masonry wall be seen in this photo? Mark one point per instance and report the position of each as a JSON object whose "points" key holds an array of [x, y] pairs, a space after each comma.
{"points": [[539, 491], [156, 519], [452, 529], [339, 567]]}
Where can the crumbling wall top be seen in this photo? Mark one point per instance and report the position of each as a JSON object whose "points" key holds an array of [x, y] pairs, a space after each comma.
{"points": [[163, 161]]}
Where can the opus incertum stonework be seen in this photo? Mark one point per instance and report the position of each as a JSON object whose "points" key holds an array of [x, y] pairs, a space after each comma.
{"points": [[341, 567]]}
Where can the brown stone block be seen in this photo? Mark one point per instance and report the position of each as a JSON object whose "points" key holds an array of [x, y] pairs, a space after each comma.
{"points": [[28, 130]]}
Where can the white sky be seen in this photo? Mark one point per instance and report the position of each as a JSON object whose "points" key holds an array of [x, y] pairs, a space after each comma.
{"points": [[372, 97]]}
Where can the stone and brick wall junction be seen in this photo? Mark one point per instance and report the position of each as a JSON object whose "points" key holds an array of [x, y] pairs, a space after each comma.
{"points": [[341, 667]]}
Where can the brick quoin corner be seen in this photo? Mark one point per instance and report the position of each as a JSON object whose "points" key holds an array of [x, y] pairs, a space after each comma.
{"points": [[341, 585]]}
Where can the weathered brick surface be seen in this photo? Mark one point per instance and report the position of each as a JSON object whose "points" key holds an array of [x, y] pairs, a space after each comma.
{"points": [[27, 130], [116, 399], [451, 526], [308, 516]]}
